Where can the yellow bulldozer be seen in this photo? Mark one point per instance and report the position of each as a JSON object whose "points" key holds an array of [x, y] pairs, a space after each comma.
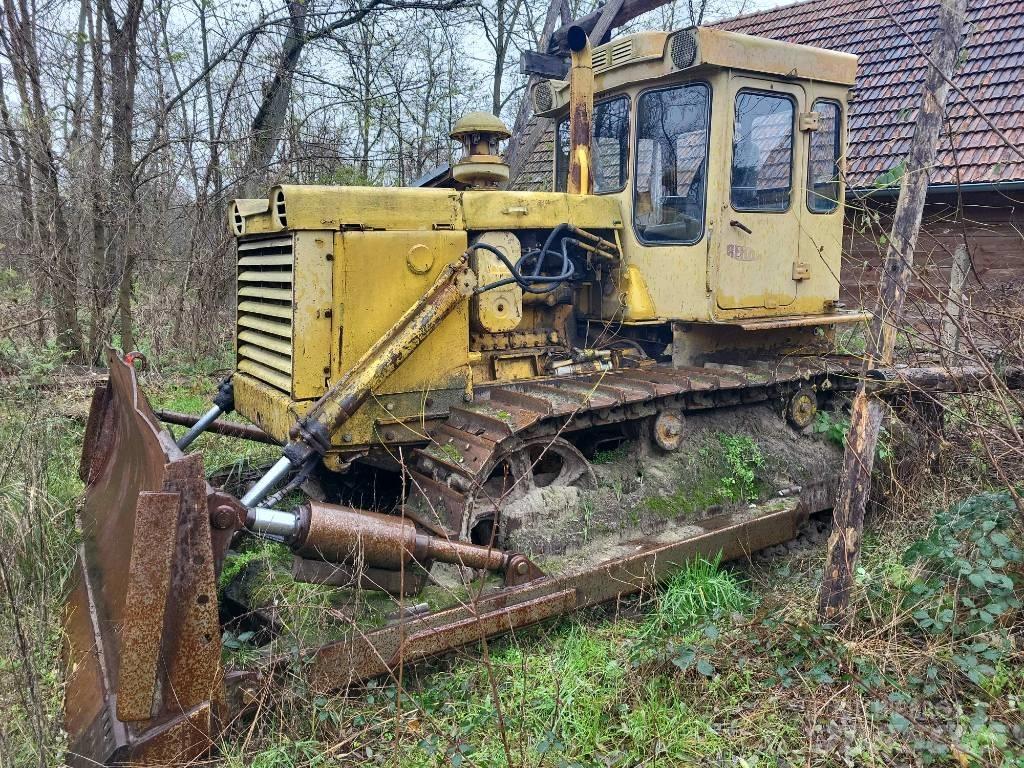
{"points": [[476, 343]]}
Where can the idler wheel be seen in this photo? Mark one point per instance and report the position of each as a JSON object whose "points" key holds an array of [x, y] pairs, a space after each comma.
{"points": [[538, 463], [802, 408], [667, 430]]}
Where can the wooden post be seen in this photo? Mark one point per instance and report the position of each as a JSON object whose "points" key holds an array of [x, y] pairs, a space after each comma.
{"points": [[958, 271], [867, 412]]}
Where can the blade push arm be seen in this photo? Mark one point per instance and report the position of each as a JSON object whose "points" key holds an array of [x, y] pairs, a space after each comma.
{"points": [[311, 435]]}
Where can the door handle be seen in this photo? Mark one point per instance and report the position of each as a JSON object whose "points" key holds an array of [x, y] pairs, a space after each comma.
{"points": [[741, 225]]}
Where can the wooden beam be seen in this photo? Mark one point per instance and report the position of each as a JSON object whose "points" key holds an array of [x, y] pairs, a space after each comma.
{"points": [[868, 410], [624, 12], [604, 24]]}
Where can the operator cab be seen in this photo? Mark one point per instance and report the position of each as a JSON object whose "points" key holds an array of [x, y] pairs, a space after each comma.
{"points": [[725, 152]]}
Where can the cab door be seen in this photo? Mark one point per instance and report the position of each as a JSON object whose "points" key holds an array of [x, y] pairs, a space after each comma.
{"points": [[757, 233]]}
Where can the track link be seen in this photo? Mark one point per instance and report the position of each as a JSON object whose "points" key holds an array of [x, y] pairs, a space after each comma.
{"points": [[454, 473]]}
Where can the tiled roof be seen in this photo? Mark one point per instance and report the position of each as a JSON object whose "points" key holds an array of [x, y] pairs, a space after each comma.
{"points": [[536, 173], [890, 72], [889, 77]]}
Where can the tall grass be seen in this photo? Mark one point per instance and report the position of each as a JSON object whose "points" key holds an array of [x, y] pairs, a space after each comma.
{"points": [[38, 489]]}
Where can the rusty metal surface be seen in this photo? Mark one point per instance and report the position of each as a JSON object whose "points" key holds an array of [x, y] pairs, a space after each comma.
{"points": [[345, 535], [117, 645], [581, 112], [149, 573], [364, 656], [398, 583], [226, 428]]}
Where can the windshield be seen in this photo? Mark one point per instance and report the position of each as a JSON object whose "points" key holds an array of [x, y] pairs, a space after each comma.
{"points": [[671, 164]]}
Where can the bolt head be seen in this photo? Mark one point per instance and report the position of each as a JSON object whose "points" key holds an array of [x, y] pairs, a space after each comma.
{"points": [[222, 517]]}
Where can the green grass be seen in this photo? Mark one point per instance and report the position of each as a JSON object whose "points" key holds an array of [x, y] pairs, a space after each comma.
{"points": [[702, 590], [728, 471], [719, 667]]}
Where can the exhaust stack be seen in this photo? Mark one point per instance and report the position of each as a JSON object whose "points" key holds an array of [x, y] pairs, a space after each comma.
{"points": [[581, 112]]}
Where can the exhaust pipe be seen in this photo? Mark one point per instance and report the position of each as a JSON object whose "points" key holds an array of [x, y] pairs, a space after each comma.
{"points": [[581, 112]]}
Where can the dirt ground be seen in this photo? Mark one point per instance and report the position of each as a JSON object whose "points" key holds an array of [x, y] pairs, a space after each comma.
{"points": [[728, 459]]}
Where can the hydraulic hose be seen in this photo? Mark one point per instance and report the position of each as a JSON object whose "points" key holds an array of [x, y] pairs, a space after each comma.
{"points": [[528, 279]]}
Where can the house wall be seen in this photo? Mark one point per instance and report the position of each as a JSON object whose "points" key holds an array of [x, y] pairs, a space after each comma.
{"points": [[992, 223]]}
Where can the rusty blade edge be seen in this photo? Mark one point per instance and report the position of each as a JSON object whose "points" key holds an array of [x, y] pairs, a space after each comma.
{"points": [[363, 657]]}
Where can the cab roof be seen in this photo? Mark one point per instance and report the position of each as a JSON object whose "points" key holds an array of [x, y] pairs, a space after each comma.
{"points": [[653, 55]]}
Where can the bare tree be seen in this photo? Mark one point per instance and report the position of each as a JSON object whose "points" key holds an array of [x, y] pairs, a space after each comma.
{"points": [[868, 411]]}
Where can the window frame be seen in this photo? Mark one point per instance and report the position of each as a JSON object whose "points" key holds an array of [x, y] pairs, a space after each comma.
{"points": [[707, 161], [626, 167], [808, 191], [792, 147]]}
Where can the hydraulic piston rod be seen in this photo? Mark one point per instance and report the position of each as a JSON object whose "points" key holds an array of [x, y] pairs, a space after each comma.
{"points": [[223, 402], [340, 534]]}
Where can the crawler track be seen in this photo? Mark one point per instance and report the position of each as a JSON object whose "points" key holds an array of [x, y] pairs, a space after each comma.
{"points": [[455, 473]]}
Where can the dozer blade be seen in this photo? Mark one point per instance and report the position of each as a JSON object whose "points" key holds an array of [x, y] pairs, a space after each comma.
{"points": [[142, 639]]}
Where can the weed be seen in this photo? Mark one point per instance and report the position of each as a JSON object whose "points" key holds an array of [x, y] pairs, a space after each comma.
{"points": [[743, 460], [834, 428], [618, 453], [700, 591], [449, 450]]}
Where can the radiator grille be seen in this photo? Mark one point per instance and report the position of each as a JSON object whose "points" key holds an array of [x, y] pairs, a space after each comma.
{"points": [[265, 310]]}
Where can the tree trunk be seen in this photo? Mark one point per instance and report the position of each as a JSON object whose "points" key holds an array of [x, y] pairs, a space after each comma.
{"points": [[123, 57], [273, 111], [101, 274], [867, 413], [49, 221]]}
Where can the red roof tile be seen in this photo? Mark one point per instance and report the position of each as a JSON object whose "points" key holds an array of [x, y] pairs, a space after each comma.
{"points": [[890, 73]]}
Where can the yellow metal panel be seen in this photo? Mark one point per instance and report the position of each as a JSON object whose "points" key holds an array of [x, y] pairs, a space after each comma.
{"points": [[264, 373], [267, 326], [278, 362], [264, 261], [271, 310], [278, 294], [821, 234], [311, 322], [318, 207], [379, 286], [267, 277], [639, 305], [721, 48], [264, 340], [272, 411], [526, 210], [499, 309]]}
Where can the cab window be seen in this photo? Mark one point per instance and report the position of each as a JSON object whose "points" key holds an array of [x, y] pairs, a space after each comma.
{"points": [[609, 150], [762, 152], [823, 159], [671, 164]]}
